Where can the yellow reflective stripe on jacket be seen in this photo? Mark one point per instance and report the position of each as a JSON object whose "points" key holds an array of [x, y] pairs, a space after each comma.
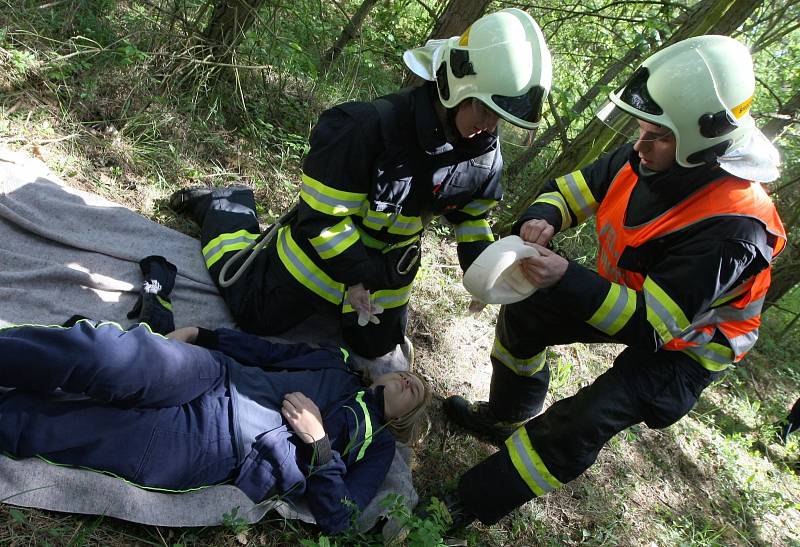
{"points": [[394, 223], [367, 426], [473, 230], [330, 201], [556, 200], [336, 239], [615, 311], [478, 207], [579, 198], [520, 367], [663, 313], [382, 246], [225, 243], [529, 464], [712, 356], [387, 298], [305, 271]]}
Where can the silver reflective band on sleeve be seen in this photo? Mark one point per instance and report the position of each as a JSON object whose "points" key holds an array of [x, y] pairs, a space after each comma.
{"points": [[575, 190], [615, 311]]}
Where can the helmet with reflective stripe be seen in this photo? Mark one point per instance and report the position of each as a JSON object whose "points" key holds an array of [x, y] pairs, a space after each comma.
{"points": [[501, 60], [701, 88]]}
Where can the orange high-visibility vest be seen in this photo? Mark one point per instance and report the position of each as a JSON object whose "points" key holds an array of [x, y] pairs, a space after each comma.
{"points": [[736, 314]]}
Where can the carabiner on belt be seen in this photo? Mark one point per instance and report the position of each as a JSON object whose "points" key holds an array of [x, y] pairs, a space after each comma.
{"points": [[408, 260]]}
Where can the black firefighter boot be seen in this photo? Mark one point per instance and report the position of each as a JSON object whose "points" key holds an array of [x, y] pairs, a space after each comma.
{"points": [[480, 420], [192, 202]]}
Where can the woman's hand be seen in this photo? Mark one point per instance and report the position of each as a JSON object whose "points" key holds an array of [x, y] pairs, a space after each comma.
{"points": [[184, 334], [304, 417]]}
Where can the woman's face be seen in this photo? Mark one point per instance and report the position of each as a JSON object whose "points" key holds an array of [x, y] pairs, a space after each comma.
{"points": [[473, 118], [402, 393]]}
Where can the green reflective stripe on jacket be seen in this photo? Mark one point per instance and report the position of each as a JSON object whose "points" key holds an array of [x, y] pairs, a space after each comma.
{"points": [[529, 464], [615, 311], [579, 198], [367, 426], [556, 200], [305, 271], [330, 201], [166, 303], [520, 367], [663, 313], [387, 298], [382, 246], [479, 207], [373, 219], [403, 225], [225, 243], [473, 230], [336, 239], [712, 356]]}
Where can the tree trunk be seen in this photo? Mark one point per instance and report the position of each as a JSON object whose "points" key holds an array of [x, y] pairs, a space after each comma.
{"points": [[454, 20], [229, 22], [708, 17], [350, 31]]}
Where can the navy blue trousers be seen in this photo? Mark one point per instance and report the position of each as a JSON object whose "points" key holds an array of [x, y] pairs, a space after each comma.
{"points": [[154, 411]]}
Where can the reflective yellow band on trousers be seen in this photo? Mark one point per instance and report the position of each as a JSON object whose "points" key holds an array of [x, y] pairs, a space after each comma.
{"points": [[520, 367], [225, 243], [529, 465]]}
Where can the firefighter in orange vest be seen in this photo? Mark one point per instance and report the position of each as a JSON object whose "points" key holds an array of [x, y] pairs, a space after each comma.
{"points": [[686, 238]]}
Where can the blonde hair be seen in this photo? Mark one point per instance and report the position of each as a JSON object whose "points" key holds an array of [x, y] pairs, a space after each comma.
{"points": [[409, 428]]}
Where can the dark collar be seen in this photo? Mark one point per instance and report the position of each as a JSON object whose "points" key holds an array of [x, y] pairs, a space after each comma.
{"points": [[430, 133]]}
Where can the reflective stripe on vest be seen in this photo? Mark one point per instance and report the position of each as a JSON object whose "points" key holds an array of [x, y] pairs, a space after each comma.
{"points": [[579, 198], [519, 366], [336, 239], [473, 230], [529, 465], [736, 313], [367, 426], [556, 200], [225, 243], [387, 298], [330, 201], [305, 271], [615, 311]]}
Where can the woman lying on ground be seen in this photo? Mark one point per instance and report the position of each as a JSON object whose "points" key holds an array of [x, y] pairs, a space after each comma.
{"points": [[203, 407]]}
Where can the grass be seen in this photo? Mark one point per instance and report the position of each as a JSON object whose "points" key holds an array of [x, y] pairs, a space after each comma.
{"points": [[125, 123]]}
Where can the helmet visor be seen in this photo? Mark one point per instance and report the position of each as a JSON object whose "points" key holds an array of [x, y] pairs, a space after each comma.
{"points": [[634, 92], [628, 126], [527, 107]]}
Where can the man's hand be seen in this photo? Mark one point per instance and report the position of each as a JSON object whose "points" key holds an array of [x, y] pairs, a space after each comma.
{"points": [[544, 270], [303, 416], [359, 298], [184, 334], [537, 231]]}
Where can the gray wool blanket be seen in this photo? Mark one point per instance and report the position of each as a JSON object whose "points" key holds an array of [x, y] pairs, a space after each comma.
{"points": [[66, 252]]}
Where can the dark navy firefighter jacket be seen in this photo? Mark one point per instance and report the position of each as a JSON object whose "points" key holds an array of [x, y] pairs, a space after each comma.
{"points": [[174, 416]]}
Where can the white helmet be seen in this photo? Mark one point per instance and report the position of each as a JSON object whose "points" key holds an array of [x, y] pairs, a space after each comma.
{"points": [[701, 88], [501, 60]]}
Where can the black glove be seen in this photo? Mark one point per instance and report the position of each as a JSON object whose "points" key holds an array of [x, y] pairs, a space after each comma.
{"points": [[153, 306]]}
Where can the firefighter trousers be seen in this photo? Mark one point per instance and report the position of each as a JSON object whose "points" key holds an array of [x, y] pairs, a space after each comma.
{"points": [[267, 299], [559, 444]]}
